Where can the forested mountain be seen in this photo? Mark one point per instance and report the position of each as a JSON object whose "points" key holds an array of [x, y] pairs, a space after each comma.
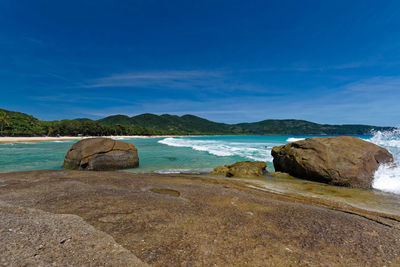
{"points": [[194, 124], [20, 124], [186, 123]]}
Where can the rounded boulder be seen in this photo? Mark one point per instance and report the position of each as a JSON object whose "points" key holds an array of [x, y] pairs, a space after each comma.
{"points": [[101, 154], [343, 160]]}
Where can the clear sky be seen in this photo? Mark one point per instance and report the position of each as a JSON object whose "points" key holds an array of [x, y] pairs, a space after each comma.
{"points": [[228, 61]]}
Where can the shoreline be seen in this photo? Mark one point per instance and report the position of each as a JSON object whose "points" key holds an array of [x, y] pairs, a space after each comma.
{"points": [[39, 139], [9, 140]]}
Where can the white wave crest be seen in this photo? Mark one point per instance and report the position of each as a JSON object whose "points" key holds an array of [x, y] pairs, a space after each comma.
{"points": [[183, 171], [387, 177], [387, 139], [294, 139], [252, 151]]}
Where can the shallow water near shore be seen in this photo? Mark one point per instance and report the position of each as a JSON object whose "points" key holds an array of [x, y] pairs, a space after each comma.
{"points": [[372, 200], [202, 154], [164, 155]]}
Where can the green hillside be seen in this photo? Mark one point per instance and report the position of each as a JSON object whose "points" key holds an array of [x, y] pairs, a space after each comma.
{"points": [[191, 124], [21, 124], [172, 123], [18, 124], [302, 127]]}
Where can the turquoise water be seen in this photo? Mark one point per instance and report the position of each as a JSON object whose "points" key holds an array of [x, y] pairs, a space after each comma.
{"points": [[165, 155], [193, 154]]}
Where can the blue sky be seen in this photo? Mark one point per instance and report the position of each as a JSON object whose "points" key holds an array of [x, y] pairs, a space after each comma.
{"points": [[228, 61]]}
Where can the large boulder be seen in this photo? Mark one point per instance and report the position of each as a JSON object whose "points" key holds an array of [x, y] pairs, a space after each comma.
{"points": [[344, 160], [101, 154], [242, 169]]}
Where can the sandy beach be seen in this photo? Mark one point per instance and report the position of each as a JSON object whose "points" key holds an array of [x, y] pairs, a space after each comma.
{"points": [[7, 140]]}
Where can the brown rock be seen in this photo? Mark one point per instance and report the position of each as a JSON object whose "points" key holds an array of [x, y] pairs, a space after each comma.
{"points": [[344, 160], [242, 169], [211, 221], [101, 154], [32, 237], [282, 175]]}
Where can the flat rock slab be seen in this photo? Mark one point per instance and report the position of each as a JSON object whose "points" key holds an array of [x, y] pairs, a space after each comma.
{"points": [[31, 237], [178, 220]]}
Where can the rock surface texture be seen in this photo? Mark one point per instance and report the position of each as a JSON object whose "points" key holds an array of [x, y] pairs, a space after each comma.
{"points": [[119, 218], [32, 237], [344, 160], [101, 154], [242, 169]]}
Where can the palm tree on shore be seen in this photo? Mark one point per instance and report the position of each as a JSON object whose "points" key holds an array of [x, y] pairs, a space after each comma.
{"points": [[4, 120], [32, 120]]}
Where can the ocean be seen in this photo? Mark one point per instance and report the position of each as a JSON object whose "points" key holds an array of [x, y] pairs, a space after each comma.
{"points": [[192, 154]]}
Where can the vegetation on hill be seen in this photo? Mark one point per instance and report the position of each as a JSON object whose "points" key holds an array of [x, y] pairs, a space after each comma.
{"points": [[185, 124], [195, 125], [20, 124], [302, 127]]}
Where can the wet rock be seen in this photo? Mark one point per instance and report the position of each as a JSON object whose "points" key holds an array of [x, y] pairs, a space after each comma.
{"points": [[344, 160], [242, 169], [97, 154], [283, 175]]}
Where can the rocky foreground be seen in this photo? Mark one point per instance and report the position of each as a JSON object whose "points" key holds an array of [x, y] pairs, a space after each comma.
{"points": [[122, 219]]}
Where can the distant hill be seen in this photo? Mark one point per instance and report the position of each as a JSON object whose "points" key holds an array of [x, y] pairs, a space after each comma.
{"points": [[194, 124], [186, 123], [301, 127], [21, 124]]}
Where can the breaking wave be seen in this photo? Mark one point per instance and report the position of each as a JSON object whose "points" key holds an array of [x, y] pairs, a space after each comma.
{"points": [[387, 177], [252, 151], [294, 139]]}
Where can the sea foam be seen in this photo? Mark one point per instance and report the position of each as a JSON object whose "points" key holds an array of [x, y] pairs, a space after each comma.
{"points": [[387, 177], [252, 151], [294, 139]]}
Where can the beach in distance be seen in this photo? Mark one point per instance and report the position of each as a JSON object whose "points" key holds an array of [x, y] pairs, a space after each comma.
{"points": [[7, 140], [200, 133], [169, 209], [183, 154]]}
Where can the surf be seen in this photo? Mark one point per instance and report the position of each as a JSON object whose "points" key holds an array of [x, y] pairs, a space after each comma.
{"points": [[387, 177], [223, 148]]}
